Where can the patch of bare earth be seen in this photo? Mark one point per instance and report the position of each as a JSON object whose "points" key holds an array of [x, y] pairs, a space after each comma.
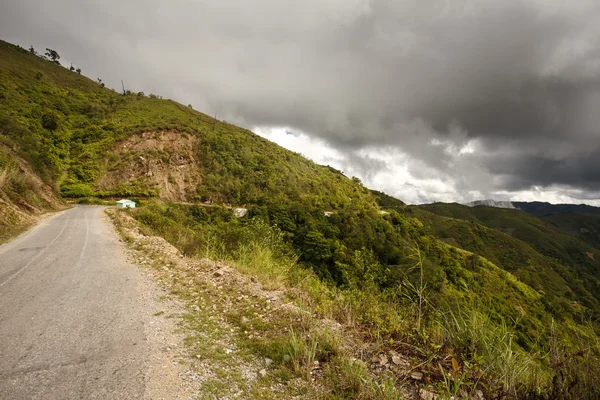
{"points": [[20, 211], [165, 161]]}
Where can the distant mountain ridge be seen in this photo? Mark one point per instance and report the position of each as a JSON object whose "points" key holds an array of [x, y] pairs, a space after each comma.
{"points": [[491, 203], [542, 209]]}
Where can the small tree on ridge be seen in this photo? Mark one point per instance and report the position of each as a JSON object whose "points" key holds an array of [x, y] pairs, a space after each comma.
{"points": [[52, 55]]}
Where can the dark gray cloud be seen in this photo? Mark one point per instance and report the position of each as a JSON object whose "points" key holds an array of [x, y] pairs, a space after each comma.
{"points": [[580, 170], [519, 81]]}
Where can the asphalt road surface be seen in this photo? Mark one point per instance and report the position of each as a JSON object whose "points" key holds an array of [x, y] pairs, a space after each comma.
{"points": [[70, 320]]}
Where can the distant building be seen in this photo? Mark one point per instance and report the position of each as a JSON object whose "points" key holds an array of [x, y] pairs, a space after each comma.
{"points": [[125, 204]]}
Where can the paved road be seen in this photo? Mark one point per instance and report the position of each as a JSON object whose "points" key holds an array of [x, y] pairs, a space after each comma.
{"points": [[70, 321]]}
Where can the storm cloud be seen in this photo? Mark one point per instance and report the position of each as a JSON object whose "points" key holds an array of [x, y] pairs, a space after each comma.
{"points": [[484, 96]]}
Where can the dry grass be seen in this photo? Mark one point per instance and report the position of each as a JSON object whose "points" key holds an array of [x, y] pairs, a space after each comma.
{"points": [[3, 177]]}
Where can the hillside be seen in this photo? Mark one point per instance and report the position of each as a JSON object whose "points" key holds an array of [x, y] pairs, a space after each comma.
{"points": [[388, 202], [581, 220], [92, 141], [535, 250], [468, 297]]}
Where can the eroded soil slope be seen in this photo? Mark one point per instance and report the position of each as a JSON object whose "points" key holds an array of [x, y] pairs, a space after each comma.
{"points": [[23, 195], [166, 162]]}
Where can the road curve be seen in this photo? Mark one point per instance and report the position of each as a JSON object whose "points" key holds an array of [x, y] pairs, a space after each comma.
{"points": [[70, 320]]}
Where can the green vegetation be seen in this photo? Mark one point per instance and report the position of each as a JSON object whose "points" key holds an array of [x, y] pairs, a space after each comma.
{"points": [[427, 296], [388, 202], [562, 267], [581, 221]]}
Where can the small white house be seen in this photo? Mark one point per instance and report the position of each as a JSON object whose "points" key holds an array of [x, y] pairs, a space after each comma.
{"points": [[125, 204]]}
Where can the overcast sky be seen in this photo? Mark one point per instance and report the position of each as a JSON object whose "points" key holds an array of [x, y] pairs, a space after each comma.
{"points": [[426, 100]]}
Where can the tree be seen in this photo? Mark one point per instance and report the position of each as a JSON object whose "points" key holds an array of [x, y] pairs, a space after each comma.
{"points": [[52, 55], [315, 247], [31, 49], [78, 70], [72, 68], [100, 82]]}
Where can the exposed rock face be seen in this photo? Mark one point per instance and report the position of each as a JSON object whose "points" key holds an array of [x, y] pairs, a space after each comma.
{"points": [[491, 203], [166, 161]]}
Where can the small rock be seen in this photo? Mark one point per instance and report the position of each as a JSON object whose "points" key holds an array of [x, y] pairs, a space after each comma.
{"points": [[397, 360], [479, 395], [218, 274], [244, 320], [287, 358], [383, 360], [416, 375], [262, 372], [426, 395], [268, 362]]}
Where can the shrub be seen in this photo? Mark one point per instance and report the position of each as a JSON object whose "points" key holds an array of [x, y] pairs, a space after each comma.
{"points": [[77, 190], [50, 121]]}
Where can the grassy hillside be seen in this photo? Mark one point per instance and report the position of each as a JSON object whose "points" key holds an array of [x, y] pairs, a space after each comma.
{"points": [[581, 220], [482, 296], [538, 252], [388, 202]]}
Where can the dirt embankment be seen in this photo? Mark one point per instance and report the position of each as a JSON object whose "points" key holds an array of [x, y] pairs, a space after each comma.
{"points": [[24, 196], [164, 161]]}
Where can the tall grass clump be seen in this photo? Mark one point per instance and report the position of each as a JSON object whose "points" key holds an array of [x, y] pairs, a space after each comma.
{"points": [[574, 360], [489, 350], [262, 251]]}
